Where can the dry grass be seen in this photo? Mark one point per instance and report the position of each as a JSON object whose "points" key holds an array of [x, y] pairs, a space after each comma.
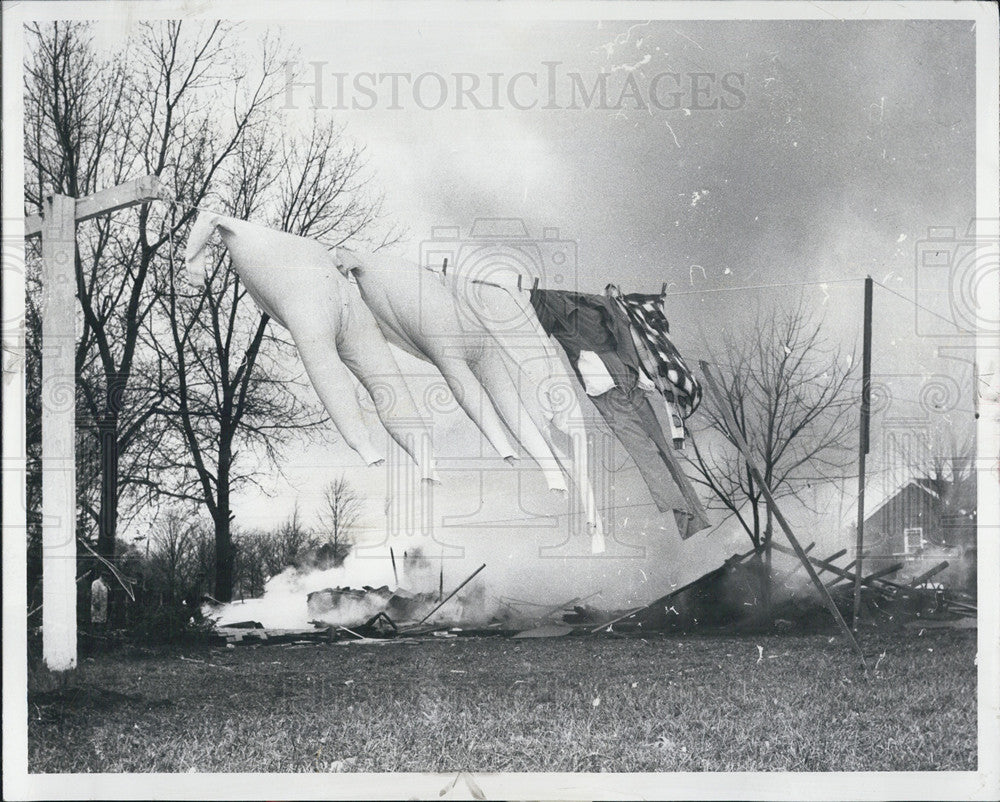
{"points": [[569, 704]]}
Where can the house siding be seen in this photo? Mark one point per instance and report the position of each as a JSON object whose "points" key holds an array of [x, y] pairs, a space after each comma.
{"points": [[951, 538]]}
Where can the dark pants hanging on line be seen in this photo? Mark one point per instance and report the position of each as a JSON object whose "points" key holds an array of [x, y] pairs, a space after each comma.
{"points": [[637, 428]]}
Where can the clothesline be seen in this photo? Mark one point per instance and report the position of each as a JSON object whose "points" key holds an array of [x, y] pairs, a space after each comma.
{"points": [[614, 343], [914, 302], [521, 283], [533, 282], [176, 204], [712, 290]]}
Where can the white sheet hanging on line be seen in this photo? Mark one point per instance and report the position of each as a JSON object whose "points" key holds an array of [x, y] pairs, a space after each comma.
{"points": [[295, 280], [417, 313], [546, 384]]}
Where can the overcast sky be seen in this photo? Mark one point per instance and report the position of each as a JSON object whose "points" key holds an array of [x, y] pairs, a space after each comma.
{"points": [[831, 148]]}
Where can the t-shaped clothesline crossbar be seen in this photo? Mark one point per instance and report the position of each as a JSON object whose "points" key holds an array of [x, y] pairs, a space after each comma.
{"points": [[139, 190], [57, 228]]}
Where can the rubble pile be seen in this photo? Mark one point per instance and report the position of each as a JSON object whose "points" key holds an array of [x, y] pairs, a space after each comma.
{"points": [[733, 597]]}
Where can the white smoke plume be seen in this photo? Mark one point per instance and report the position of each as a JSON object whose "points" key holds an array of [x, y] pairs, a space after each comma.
{"points": [[285, 603]]}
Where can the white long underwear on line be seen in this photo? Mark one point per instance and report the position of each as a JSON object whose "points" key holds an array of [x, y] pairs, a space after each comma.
{"points": [[418, 314], [546, 384], [295, 281]]}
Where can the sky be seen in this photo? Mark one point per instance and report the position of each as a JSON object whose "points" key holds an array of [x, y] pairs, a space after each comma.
{"points": [[793, 153]]}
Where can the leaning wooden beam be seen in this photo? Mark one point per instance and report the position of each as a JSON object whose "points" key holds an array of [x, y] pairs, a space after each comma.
{"points": [[868, 578], [887, 571], [139, 190], [622, 617], [781, 578], [937, 569], [835, 556], [821, 568], [827, 565], [741, 444], [841, 572], [736, 559], [456, 590], [576, 600]]}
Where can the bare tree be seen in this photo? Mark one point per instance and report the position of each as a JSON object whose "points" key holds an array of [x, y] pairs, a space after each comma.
{"points": [[175, 104], [234, 391], [324, 190], [944, 462], [264, 553], [173, 542], [200, 382], [789, 393], [290, 544], [72, 117], [340, 513]]}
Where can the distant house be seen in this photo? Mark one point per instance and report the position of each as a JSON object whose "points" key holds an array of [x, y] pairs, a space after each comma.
{"points": [[923, 523]]}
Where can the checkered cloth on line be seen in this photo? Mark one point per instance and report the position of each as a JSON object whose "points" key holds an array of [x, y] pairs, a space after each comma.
{"points": [[645, 313]]}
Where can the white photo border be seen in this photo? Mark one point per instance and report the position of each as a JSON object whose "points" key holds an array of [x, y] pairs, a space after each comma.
{"points": [[981, 784]]}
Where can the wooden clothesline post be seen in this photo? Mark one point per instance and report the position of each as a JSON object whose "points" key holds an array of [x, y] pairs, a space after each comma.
{"points": [[864, 445], [57, 228]]}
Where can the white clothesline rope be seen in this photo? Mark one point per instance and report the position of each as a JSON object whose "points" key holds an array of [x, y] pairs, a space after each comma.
{"points": [[528, 282], [533, 282]]}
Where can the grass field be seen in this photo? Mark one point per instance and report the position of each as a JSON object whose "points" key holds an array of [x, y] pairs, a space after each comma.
{"points": [[570, 704]]}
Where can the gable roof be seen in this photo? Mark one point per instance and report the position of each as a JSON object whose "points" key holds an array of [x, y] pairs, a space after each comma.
{"points": [[917, 483]]}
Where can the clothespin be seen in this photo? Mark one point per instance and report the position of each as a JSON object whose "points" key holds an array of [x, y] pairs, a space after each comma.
{"points": [[663, 289], [534, 284], [444, 267], [518, 282]]}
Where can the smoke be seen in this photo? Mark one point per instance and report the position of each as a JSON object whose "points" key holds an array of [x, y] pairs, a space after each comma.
{"points": [[345, 609], [471, 607], [419, 573], [352, 593], [284, 604]]}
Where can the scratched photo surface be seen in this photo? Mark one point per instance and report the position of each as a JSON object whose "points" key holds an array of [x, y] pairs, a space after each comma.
{"points": [[460, 395]]}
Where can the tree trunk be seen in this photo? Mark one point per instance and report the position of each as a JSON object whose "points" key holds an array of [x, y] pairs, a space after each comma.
{"points": [[223, 530], [108, 514], [768, 533], [107, 523], [223, 556]]}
